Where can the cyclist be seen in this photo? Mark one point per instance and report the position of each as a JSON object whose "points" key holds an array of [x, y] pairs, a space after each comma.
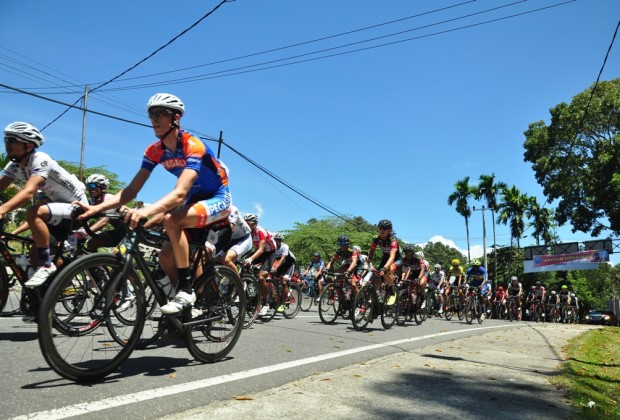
{"points": [[437, 282], [564, 299], [500, 296], [240, 242], [455, 276], [391, 260], [349, 263], [476, 277], [515, 288], [263, 255], [540, 294], [200, 197], [414, 267], [36, 170], [96, 186], [283, 265], [574, 303], [315, 268]]}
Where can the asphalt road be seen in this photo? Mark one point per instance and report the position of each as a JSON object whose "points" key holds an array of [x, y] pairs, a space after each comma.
{"points": [[271, 360]]}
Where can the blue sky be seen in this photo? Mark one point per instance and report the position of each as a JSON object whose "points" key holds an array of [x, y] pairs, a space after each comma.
{"points": [[380, 133]]}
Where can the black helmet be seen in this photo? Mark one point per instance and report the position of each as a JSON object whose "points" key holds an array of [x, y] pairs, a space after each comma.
{"points": [[343, 240], [385, 224], [409, 248]]}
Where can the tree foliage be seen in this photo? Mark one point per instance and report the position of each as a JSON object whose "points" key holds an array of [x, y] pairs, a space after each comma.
{"points": [[576, 158]]}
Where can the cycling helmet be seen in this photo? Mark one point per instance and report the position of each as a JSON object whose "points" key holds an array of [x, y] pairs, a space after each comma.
{"points": [[278, 236], [438, 266], [98, 179], [538, 283], [357, 248], [554, 292], [572, 295], [409, 248], [250, 217], [500, 289], [419, 255], [385, 224], [456, 261], [343, 240], [532, 287], [514, 278], [25, 132], [166, 100], [317, 254], [475, 262], [564, 287]]}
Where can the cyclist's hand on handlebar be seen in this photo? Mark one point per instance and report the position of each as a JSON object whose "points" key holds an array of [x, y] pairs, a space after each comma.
{"points": [[133, 217], [247, 262]]}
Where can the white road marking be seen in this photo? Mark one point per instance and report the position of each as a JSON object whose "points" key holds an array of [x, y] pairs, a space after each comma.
{"points": [[93, 406]]}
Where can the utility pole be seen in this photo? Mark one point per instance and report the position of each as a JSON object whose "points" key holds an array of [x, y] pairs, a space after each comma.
{"points": [[85, 101]]}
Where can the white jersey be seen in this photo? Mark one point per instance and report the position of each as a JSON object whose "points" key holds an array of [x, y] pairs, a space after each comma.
{"points": [[284, 250], [240, 228], [60, 186]]}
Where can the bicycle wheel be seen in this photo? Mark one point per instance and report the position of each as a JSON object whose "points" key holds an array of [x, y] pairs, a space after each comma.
{"points": [[252, 300], [272, 302], [329, 304], [362, 307], [292, 301], [10, 293], [469, 310], [82, 348], [480, 312], [403, 306], [388, 315], [307, 295], [450, 307], [213, 334]]}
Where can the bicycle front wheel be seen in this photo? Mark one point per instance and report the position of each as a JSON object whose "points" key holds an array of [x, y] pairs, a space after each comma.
{"points": [[307, 296], [388, 315], [292, 301], [212, 334], [329, 304], [469, 310], [252, 300], [84, 346], [362, 307]]}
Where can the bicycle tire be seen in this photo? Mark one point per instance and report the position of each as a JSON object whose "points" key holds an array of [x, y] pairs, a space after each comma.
{"points": [[402, 307], [83, 350], [10, 293], [469, 310], [308, 295], [388, 314], [451, 305], [292, 301], [272, 301], [252, 300], [222, 300], [329, 304], [363, 307]]}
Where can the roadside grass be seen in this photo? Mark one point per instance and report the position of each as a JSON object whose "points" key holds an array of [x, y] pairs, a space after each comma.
{"points": [[592, 373]]}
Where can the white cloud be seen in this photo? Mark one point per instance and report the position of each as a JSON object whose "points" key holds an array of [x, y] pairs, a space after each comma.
{"points": [[475, 250], [258, 209]]}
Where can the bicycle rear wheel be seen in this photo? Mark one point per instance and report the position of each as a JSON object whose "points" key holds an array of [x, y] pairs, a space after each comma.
{"points": [[307, 295], [213, 334], [402, 307], [362, 307], [469, 310], [388, 315], [329, 304], [272, 302], [10, 293], [292, 301], [84, 346], [450, 307]]}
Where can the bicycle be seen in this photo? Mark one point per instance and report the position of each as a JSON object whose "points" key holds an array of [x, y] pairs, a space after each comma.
{"points": [[454, 305], [275, 298], [309, 292], [372, 302], [407, 303], [252, 295], [336, 299], [514, 312], [91, 345], [474, 308], [498, 310], [536, 311], [555, 314]]}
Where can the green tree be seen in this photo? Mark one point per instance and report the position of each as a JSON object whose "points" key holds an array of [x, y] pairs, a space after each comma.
{"points": [[511, 212], [74, 168], [543, 222], [439, 253], [461, 195], [576, 158]]}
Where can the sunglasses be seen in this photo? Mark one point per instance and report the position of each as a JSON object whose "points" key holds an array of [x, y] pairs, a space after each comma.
{"points": [[155, 115], [383, 228], [91, 186], [12, 140]]}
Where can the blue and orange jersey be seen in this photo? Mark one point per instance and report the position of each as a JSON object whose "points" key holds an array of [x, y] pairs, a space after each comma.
{"points": [[190, 153]]}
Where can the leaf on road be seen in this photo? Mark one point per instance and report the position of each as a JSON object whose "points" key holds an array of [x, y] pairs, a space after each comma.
{"points": [[242, 398]]}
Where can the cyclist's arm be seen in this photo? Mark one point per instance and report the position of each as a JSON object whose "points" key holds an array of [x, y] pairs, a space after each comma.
{"points": [[21, 228], [353, 264], [99, 224]]}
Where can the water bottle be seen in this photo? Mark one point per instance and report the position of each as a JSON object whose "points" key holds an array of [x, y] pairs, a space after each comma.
{"points": [[126, 245]]}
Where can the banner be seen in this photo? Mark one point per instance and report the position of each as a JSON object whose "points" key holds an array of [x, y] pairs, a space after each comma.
{"points": [[584, 260]]}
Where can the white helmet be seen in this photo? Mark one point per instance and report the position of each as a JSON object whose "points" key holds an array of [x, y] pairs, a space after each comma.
{"points": [[357, 248], [419, 255], [25, 132], [250, 217], [98, 179], [166, 100], [278, 236]]}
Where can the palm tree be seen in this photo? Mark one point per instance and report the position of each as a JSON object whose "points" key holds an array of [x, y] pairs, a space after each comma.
{"points": [[462, 193], [543, 222], [512, 211], [489, 190]]}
